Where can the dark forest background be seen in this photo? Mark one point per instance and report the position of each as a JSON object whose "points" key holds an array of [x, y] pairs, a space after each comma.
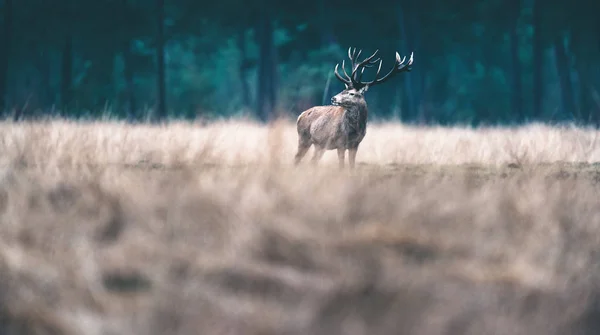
{"points": [[475, 62]]}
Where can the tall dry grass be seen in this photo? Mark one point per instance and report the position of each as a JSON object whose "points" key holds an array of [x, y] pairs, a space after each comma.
{"points": [[241, 143], [109, 228]]}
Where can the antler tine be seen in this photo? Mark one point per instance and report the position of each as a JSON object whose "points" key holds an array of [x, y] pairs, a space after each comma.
{"points": [[345, 81], [345, 73], [365, 63], [399, 66], [376, 75], [360, 74], [352, 56], [372, 62], [357, 55], [368, 59]]}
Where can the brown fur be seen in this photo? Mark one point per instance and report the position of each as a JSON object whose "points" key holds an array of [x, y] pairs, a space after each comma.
{"points": [[340, 127], [344, 125]]}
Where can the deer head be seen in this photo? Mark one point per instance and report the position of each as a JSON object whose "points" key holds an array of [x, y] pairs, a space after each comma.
{"points": [[355, 87]]}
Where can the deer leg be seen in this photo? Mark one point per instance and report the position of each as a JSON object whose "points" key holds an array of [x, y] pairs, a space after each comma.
{"points": [[341, 156], [319, 151], [302, 150], [352, 156]]}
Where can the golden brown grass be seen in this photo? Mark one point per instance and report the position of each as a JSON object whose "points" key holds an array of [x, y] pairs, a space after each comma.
{"points": [[109, 228]]}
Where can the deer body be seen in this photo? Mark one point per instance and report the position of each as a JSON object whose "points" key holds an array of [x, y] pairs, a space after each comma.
{"points": [[342, 125]]}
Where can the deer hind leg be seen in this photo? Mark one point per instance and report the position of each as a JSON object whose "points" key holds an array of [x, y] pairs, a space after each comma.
{"points": [[319, 151], [303, 147], [302, 150], [352, 156], [341, 156]]}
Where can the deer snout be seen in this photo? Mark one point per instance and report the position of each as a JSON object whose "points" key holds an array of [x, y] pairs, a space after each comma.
{"points": [[334, 101]]}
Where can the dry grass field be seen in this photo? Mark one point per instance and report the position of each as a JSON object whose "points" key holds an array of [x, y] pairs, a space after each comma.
{"points": [[108, 228]]}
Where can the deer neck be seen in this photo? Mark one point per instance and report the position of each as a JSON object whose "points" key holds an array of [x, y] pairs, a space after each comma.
{"points": [[356, 115]]}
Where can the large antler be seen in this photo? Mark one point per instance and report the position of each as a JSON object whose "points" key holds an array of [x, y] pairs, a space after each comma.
{"points": [[399, 66], [354, 80], [350, 80]]}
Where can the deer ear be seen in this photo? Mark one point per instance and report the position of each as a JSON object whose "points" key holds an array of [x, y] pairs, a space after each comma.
{"points": [[363, 89]]}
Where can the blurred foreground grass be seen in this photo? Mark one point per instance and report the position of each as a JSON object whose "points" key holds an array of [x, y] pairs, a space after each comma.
{"points": [[183, 229]]}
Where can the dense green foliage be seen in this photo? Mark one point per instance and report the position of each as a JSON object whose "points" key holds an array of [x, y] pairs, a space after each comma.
{"points": [[490, 61]]}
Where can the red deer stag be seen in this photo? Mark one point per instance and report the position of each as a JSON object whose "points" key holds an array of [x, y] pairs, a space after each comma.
{"points": [[343, 124]]}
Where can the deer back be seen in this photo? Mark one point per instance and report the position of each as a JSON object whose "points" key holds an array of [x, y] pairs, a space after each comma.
{"points": [[321, 123]]}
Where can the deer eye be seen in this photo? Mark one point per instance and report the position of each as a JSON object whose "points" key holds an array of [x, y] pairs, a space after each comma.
{"points": [[352, 94]]}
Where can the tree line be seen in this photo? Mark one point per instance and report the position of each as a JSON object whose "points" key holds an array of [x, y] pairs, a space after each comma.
{"points": [[476, 62]]}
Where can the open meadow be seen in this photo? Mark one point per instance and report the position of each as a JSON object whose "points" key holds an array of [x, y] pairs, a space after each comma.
{"points": [[109, 228]]}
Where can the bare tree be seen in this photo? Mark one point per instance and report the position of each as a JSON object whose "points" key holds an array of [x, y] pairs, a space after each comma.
{"points": [[267, 66], [243, 67], [517, 87], [564, 74], [128, 72], [538, 61], [161, 105], [408, 106], [67, 61], [5, 53]]}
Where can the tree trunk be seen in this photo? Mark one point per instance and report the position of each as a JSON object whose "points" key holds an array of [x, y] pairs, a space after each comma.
{"points": [[417, 75], [128, 72], [41, 94], [538, 88], [408, 107], [579, 45], [243, 66], [67, 74], [325, 22], [598, 34], [161, 108], [564, 74], [587, 107], [131, 109], [422, 106], [517, 87], [266, 95], [5, 55]]}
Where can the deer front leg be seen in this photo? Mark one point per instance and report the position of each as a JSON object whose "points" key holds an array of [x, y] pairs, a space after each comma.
{"points": [[352, 156], [341, 156]]}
